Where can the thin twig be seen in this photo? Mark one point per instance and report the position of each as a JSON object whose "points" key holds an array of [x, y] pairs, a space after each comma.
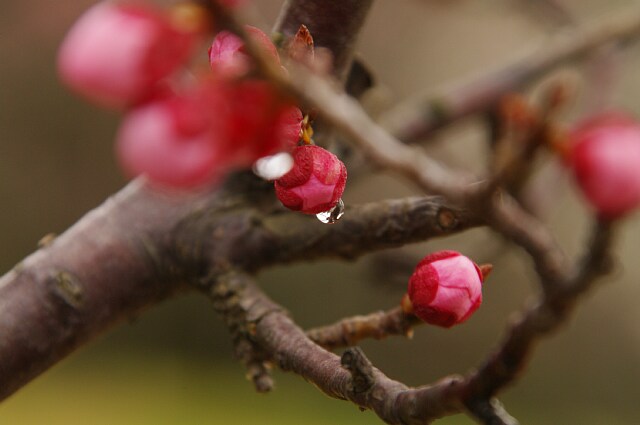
{"points": [[379, 325], [276, 333], [539, 319], [415, 119]]}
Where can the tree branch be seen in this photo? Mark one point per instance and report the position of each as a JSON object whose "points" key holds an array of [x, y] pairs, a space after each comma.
{"points": [[141, 245], [334, 24], [379, 325], [537, 320], [417, 118], [292, 351], [102, 270], [502, 212], [376, 226]]}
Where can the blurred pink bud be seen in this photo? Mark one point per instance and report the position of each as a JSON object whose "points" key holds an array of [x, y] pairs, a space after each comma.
{"points": [[173, 140], [445, 288], [116, 53], [315, 183], [194, 138], [228, 56], [257, 122], [605, 157]]}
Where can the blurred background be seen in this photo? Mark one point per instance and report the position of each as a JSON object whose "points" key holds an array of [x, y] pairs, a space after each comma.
{"points": [[173, 364]]}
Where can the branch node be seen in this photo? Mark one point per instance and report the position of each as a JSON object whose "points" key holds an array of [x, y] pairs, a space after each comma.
{"points": [[47, 240], [355, 361], [69, 289], [260, 374], [447, 219]]}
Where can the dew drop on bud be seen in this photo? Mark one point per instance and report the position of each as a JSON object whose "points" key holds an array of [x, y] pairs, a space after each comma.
{"points": [[333, 215], [274, 166]]}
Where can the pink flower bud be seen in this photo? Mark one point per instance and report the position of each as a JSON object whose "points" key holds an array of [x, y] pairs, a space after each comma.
{"points": [[315, 183], [445, 288], [605, 157], [116, 53], [173, 140], [257, 121], [228, 56], [193, 138]]}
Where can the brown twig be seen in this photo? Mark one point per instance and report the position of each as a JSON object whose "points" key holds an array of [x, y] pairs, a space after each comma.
{"points": [[232, 307], [552, 12], [379, 325], [538, 319], [276, 333], [416, 119]]}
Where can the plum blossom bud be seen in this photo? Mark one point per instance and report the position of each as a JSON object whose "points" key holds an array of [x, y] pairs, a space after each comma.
{"points": [[227, 54], [257, 121], [445, 288], [605, 158], [315, 183], [116, 52], [173, 140], [194, 137]]}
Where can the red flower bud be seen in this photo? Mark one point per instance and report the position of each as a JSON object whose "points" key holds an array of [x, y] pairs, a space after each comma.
{"points": [[173, 140], [445, 288], [195, 137], [257, 122], [227, 54], [116, 53], [315, 183], [605, 157]]}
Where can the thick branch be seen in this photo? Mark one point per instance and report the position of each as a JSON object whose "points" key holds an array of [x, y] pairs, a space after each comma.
{"points": [[417, 118], [102, 270], [376, 226], [137, 247]]}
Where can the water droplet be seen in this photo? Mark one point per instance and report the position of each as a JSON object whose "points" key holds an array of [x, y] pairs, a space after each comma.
{"points": [[273, 167], [333, 215]]}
